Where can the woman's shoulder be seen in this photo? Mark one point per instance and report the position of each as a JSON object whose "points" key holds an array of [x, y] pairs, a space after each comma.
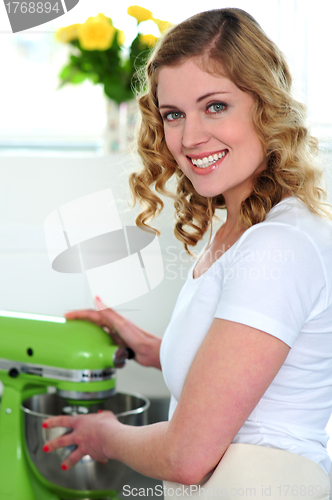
{"points": [[291, 226], [293, 211], [292, 215]]}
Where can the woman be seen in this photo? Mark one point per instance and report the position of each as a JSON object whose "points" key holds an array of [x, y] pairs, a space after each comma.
{"points": [[247, 353]]}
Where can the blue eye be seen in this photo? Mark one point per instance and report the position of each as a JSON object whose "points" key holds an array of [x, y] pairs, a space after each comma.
{"points": [[174, 115], [217, 107]]}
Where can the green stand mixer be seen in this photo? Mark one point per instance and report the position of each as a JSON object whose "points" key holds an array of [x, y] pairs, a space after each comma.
{"points": [[50, 366]]}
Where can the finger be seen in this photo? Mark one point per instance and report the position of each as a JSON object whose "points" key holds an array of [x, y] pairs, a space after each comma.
{"points": [[107, 321], [95, 317], [59, 421], [100, 304], [72, 459], [60, 442], [113, 332], [112, 320], [115, 335], [86, 315], [118, 341], [107, 312]]}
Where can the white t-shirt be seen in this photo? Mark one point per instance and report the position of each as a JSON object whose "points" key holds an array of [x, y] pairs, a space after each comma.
{"points": [[277, 278]]}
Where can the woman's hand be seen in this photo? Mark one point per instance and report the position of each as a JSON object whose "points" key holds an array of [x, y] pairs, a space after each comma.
{"points": [[124, 333], [90, 436]]}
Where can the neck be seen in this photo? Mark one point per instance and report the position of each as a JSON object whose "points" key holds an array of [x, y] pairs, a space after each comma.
{"points": [[232, 223], [231, 229], [233, 209]]}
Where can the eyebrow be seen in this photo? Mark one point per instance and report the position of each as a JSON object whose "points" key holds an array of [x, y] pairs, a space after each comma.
{"points": [[198, 100]]}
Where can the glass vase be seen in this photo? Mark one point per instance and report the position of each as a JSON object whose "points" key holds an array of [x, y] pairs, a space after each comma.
{"points": [[121, 122]]}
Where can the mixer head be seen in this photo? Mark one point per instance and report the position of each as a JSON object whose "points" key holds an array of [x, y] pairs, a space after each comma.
{"points": [[76, 357]]}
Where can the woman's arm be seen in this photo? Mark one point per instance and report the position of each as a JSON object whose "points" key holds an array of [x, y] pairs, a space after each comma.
{"points": [[230, 373]]}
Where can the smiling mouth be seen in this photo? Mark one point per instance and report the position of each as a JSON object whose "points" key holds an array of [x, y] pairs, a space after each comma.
{"points": [[207, 161]]}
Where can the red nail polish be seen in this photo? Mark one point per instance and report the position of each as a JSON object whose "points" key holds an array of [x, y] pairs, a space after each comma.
{"points": [[46, 448], [100, 411], [44, 424], [64, 467]]}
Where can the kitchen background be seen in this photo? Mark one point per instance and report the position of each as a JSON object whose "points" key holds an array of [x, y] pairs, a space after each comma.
{"points": [[52, 151]]}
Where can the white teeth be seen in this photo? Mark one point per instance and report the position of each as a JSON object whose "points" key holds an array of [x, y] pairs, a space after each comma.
{"points": [[207, 161]]}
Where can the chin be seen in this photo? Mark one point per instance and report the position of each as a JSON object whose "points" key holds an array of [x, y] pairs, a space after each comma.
{"points": [[207, 193]]}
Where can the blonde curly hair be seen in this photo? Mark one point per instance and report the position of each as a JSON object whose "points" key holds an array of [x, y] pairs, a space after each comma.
{"points": [[228, 42]]}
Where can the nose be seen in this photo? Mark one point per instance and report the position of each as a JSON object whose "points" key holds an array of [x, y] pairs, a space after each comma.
{"points": [[194, 132]]}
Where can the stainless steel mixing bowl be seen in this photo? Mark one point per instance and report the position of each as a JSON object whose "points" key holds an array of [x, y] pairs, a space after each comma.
{"points": [[88, 474]]}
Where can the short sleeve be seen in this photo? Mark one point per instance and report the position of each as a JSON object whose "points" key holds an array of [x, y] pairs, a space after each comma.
{"points": [[273, 280]]}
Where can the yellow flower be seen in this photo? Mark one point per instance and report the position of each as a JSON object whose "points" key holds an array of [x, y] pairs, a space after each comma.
{"points": [[67, 34], [121, 37], [162, 25], [139, 13], [149, 40], [103, 17], [97, 33]]}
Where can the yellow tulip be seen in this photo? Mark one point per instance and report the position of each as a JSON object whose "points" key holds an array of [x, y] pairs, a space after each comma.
{"points": [[139, 13], [97, 33], [149, 40], [162, 25], [67, 34], [102, 16]]}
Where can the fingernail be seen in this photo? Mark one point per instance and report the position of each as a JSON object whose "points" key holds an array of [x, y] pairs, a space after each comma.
{"points": [[98, 298], [64, 467], [100, 411], [44, 424], [46, 448]]}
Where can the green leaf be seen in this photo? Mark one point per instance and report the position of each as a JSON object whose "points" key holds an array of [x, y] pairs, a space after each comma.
{"points": [[78, 77], [71, 74], [66, 72], [94, 77], [116, 91]]}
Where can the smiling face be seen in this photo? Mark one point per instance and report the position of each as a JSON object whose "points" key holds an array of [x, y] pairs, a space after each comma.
{"points": [[209, 131]]}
